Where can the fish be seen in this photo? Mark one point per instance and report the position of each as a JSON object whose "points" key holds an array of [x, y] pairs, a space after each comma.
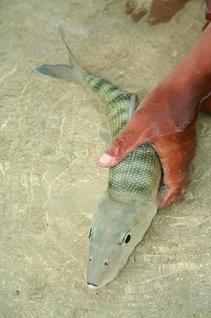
{"points": [[128, 205]]}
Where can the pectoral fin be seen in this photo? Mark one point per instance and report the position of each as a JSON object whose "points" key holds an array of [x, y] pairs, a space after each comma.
{"points": [[132, 104], [105, 135]]}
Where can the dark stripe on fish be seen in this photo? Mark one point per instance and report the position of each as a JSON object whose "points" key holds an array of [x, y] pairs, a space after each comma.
{"points": [[139, 171]]}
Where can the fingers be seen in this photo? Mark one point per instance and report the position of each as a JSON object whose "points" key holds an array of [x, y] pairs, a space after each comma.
{"points": [[119, 148], [167, 196], [175, 156], [174, 167], [174, 177], [131, 136], [205, 105]]}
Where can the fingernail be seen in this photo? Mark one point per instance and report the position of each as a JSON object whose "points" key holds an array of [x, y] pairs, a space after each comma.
{"points": [[107, 160]]}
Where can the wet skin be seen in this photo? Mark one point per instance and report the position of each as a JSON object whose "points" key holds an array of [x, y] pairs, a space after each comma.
{"points": [[166, 119]]}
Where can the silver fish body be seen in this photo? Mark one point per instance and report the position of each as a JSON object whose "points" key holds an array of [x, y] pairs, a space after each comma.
{"points": [[139, 172], [129, 204]]}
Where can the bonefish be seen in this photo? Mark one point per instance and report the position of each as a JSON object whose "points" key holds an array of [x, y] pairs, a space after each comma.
{"points": [[129, 203]]}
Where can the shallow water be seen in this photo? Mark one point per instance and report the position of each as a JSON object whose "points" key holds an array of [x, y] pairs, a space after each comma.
{"points": [[50, 181]]}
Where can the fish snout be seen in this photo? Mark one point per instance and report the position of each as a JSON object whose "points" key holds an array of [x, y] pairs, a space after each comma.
{"points": [[106, 262], [96, 271]]}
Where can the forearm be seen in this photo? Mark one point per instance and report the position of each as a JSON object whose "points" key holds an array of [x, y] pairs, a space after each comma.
{"points": [[179, 94], [208, 10], [192, 75]]}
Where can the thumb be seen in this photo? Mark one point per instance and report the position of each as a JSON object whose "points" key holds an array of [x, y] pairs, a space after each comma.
{"points": [[123, 144]]}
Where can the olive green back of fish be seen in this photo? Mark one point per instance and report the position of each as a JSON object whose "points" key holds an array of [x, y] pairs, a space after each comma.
{"points": [[140, 172]]}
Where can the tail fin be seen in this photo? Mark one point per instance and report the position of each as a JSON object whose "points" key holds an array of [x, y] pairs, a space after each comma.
{"points": [[72, 72], [72, 59], [59, 71]]}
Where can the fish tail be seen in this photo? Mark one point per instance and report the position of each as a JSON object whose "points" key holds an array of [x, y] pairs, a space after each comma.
{"points": [[72, 72]]}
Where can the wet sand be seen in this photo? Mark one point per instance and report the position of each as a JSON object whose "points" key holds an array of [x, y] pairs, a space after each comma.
{"points": [[50, 182]]}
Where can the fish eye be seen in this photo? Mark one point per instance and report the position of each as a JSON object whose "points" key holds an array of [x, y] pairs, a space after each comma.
{"points": [[127, 238], [90, 233]]}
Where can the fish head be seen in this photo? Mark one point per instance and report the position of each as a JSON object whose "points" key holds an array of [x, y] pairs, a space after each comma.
{"points": [[117, 229]]}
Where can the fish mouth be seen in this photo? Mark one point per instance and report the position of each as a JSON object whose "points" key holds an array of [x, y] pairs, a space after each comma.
{"points": [[92, 286], [94, 283], [99, 283], [95, 286]]}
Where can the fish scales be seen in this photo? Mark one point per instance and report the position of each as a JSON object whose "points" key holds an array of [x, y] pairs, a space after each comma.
{"points": [[138, 173], [127, 208]]}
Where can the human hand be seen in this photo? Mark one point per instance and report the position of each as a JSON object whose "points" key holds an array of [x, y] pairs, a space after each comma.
{"points": [[166, 120], [169, 130]]}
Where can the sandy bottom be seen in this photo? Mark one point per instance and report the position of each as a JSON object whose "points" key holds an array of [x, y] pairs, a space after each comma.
{"points": [[50, 182]]}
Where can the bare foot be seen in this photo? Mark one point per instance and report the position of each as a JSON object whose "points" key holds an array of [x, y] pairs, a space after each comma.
{"points": [[132, 8], [160, 11], [164, 10]]}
